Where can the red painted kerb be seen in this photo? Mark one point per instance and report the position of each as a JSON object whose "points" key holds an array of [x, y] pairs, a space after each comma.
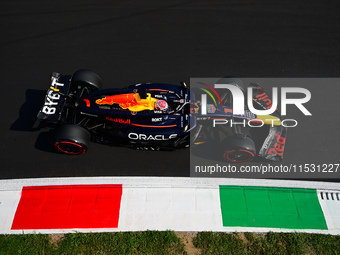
{"points": [[70, 206]]}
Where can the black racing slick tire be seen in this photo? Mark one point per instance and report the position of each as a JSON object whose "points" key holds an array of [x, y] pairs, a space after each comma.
{"points": [[235, 81], [72, 139], [225, 95], [87, 78], [238, 149]]}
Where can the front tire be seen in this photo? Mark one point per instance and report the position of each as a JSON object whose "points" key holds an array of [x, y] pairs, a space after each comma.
{"points": [[72, 139], [238, 149], [234, 81]]}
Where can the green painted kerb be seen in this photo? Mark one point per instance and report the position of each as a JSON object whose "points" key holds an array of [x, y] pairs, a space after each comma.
{"points": [[271, 208]]}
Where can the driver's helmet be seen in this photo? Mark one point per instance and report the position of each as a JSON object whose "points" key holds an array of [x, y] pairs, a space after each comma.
{"points": [[161, 105]]}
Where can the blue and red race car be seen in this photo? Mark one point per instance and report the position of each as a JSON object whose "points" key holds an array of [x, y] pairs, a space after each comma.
{"points": [[150, 116]]}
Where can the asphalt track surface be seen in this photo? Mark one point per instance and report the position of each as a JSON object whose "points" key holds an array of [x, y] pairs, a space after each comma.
{"points": [[129, 42]]}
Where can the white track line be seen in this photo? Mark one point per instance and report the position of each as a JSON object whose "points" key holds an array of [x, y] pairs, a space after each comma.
{"points": [[185, 182]]}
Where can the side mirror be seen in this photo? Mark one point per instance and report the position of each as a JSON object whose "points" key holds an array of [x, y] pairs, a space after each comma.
{"points": [[183, 84]]}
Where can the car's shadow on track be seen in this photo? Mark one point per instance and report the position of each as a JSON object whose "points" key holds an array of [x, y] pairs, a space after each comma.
{"points": [[28, 122], [45, 141]]}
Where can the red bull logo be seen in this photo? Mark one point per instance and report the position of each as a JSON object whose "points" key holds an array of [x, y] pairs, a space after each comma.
{"points": [[118, 120], [194, 107], [129, 101], [124, 100]]}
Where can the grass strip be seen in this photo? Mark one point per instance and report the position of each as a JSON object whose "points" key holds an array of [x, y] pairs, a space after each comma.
{"points": [[268, 243], [148, 242], [167, 242], [25, 244]]}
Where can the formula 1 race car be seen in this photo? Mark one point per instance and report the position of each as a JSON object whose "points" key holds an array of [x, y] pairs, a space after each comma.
{"points": [[149, 116]]}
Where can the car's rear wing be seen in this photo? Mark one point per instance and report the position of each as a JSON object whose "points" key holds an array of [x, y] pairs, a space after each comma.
{"points": [[55, 98]]}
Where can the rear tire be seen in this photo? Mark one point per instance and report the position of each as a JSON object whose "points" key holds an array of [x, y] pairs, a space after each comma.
{"points": [[238, 149], [72, 139], [87, 78]]}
